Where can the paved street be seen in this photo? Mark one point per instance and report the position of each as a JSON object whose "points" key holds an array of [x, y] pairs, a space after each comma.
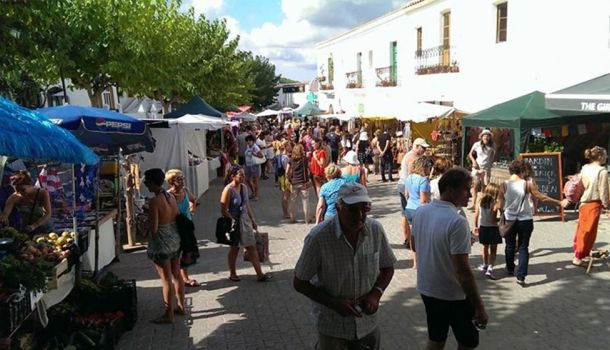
{"points": [[560, 308]]}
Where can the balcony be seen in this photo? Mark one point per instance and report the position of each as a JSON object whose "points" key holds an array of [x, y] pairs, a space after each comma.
{"points": [[436, 60], [354, 80], [326, 86], [386, 76]]}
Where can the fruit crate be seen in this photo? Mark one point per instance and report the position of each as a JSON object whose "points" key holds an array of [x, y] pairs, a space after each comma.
{"points": [[14, 309], [59, 270]]}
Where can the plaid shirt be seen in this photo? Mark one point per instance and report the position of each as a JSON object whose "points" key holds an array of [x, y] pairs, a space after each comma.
{"points": [[343, 272]]}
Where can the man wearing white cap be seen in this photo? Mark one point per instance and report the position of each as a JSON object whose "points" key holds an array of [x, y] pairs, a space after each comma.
{"points": [[346, 302], [481, 157]]}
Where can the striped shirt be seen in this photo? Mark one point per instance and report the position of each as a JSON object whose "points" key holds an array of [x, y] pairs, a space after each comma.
{"points": [[344, 272]]}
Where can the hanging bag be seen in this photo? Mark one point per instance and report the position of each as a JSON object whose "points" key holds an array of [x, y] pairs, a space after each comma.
{"points": [[227, 230], [508, 227]]}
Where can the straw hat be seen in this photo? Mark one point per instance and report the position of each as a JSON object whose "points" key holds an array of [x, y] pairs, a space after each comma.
{"points": [[485, 132], [351, 158]]}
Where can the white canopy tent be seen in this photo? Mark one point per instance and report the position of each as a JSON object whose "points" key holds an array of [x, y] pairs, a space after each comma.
{"points": [[422, 111], [342, 117], [182, 136], [267, 113]]}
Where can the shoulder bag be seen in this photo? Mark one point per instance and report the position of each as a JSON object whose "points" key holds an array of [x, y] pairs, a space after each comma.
{"points": [[227, 230], [508, 227]]}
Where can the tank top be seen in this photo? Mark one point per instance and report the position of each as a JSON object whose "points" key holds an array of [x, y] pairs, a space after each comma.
{"points": [[299, 171], [184, 206], [516, 205], [238, 203], [486, 217]]}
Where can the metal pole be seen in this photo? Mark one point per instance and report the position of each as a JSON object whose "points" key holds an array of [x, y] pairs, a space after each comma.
{"points": [[63, 85]]}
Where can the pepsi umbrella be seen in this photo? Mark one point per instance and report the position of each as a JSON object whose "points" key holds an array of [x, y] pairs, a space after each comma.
{"points": [[104, 131], [27, 134]]}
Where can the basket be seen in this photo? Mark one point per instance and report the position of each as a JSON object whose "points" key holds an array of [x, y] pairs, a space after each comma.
{"points": [[14, 309]]}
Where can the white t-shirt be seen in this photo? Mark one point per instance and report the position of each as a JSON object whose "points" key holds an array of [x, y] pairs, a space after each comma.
{"points": [[484, 158], [439, 232], [435, 193]]}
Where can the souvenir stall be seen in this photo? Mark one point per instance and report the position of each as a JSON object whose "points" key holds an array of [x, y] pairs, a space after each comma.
{"points": [[99, 193], [36, 268]]}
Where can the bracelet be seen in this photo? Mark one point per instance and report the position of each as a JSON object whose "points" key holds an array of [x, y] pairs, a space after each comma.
{"points": [[381, 290]]}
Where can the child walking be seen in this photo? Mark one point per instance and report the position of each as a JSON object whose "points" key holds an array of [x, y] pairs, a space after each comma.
{"points": [[486, 226]]}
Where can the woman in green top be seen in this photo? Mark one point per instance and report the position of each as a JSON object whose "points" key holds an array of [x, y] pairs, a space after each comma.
{"points": [[33, 204]]}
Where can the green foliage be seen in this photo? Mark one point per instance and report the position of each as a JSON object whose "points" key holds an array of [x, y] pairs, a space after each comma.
{"points": [[284, 80], [146, 47], [31, 274]]}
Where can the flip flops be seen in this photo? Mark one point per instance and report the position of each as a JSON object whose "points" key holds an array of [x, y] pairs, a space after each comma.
{"points": [[192, 283], [234, 278]]}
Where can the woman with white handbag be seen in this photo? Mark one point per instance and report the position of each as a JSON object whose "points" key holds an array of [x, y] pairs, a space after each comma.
{"points": [[254, 159]]}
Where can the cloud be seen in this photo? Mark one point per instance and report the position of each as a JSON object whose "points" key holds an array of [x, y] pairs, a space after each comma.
{"points": [[290, 44], [209, 8]]}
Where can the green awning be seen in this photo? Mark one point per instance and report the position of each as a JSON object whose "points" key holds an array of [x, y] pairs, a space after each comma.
{"points": [[591, 96], [309, 108], [527, 111]]}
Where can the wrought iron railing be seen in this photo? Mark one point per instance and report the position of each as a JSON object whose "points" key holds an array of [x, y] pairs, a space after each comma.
{"points": [[386, 76], [435, 60], [354, 80]]}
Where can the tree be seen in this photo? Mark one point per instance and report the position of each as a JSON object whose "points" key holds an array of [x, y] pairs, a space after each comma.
{"points": [[265, 81]]}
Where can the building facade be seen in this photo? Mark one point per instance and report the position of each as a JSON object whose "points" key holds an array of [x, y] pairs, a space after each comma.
{"points": [[469, 54]]}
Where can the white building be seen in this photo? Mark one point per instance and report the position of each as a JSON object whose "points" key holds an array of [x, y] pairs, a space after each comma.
{"points": [[467, 53]]}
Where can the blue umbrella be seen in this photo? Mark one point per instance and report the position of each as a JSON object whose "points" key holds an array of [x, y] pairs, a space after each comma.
{"points": [[27, 134], [103, 130]]}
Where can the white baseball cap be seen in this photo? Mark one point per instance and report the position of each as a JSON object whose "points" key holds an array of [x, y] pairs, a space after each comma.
{"points": [[352, 193], [421, 142]]}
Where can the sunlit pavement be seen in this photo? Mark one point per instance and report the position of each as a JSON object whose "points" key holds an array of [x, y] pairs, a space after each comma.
{"points": [[559, 308]]}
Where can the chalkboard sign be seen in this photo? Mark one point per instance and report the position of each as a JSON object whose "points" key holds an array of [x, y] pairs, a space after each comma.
{"points": [[549, 178]]}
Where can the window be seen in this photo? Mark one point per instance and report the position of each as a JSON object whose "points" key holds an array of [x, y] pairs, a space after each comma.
{"points": [[370, 59], [106, 98], [446, 56], [502, 19], [419, 42]]}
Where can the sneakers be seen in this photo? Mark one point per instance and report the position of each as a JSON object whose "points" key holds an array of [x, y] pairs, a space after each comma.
{"points": [[521, 281], [489, 273], [482, 268]]}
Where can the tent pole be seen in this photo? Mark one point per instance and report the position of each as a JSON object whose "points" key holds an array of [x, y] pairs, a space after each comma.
{"points": [[463, 156]]}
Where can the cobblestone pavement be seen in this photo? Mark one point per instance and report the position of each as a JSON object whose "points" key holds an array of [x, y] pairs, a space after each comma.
{"points": [[560, 307]]}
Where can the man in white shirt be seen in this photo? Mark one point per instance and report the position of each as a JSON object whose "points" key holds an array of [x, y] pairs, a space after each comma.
{"points": [[444, 279]]}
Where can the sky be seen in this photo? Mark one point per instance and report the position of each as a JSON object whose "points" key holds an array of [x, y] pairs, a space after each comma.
{"points": [[286, 31]]}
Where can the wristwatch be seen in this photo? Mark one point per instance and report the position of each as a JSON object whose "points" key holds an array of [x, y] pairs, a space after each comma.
{"points": [[381, 290]]}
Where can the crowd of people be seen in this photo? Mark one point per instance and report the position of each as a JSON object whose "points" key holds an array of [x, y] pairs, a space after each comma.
{"points": [[335, 166]]}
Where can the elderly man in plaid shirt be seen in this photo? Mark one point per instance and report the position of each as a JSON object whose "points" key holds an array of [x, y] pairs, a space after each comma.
{"points": [[345, 266]]}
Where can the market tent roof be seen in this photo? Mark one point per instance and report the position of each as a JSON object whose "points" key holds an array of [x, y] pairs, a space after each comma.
{"points": [[309, 108], [199, 121], [196, 105], [591, 96], [268, 113], [277, 106], [422, 111], [342, 117], [28, 134], [526, 111], [245, 116]]}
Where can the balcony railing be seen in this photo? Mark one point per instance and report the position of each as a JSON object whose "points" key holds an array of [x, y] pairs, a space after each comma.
{"points": [[354, 80], [435, 60], [386, 76], [326, 86]]}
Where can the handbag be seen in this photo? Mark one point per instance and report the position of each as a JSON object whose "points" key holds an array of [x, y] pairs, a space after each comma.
{"points": [[258, 160], [227, 230], [508, 227], [262, 247], [188, 241]]}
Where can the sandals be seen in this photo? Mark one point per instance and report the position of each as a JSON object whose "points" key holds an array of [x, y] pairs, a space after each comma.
{"points": [[579, 262], [265, 278], [192, 283], [234, 278]]}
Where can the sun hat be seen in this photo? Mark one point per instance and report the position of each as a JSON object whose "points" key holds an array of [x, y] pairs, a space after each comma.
{"points": [[485, 132], [351, 158], [421, 142], [363, 136], [352, 193]]}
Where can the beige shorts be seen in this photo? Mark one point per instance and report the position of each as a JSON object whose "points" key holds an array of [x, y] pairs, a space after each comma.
{"points": [[481, 177]]}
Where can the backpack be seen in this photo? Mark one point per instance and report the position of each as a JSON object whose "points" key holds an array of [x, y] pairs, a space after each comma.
{"points": [[573, 189], [279, 167]]}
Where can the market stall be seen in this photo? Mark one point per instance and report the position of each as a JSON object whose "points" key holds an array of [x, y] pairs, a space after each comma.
{"points": [[111, 135], [524, 124], [35, 271]]}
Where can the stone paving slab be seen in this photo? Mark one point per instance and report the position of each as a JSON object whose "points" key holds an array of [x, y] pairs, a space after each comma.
{"points": [[560, 308]]}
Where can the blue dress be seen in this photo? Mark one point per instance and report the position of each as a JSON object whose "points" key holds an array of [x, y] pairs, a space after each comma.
{"points": [[329, 192]]}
